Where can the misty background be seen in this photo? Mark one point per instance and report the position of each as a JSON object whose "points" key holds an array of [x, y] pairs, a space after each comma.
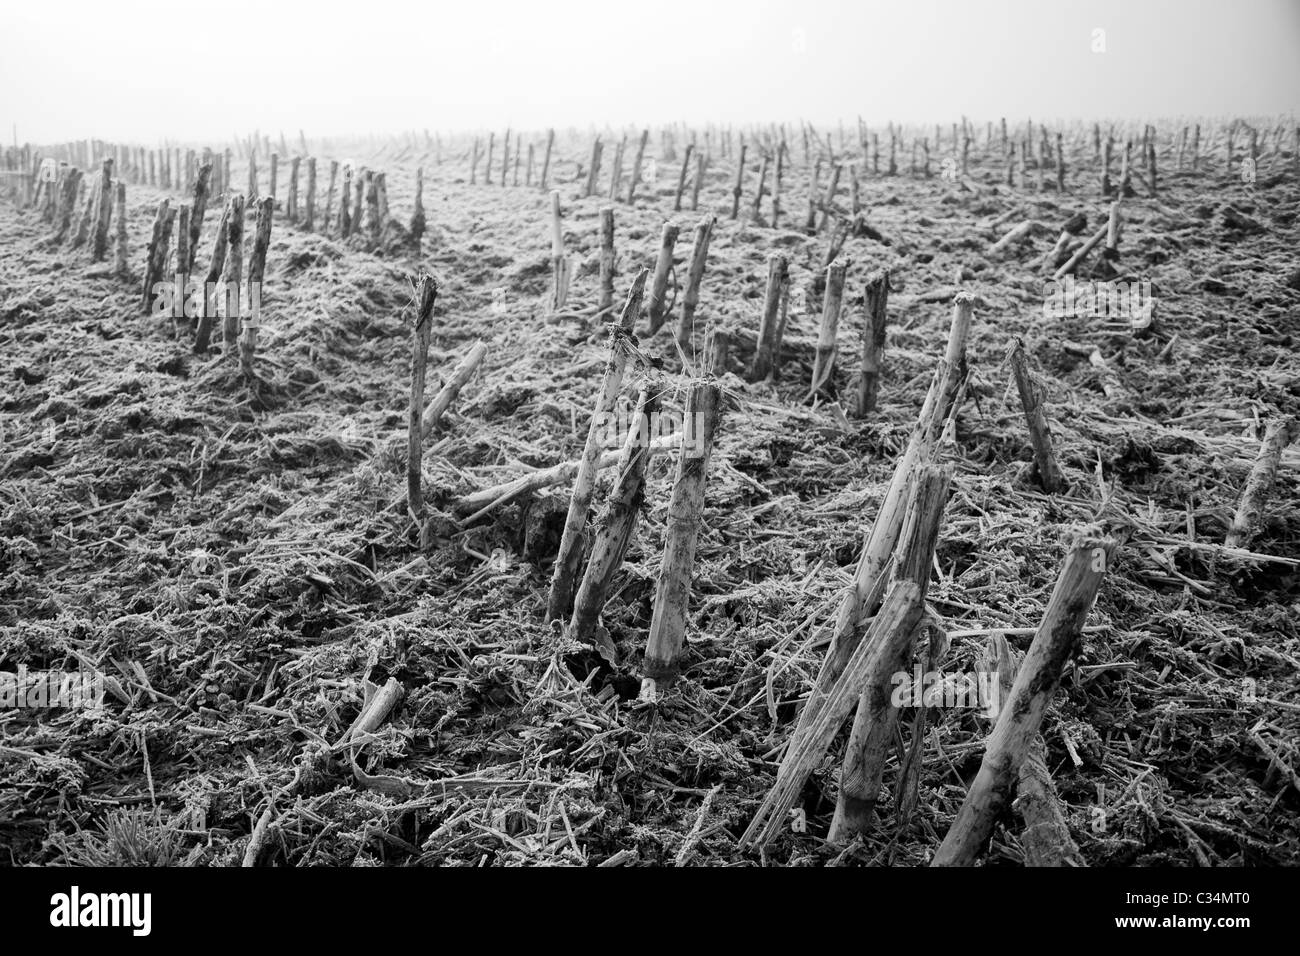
{"points": [[146, 70]]}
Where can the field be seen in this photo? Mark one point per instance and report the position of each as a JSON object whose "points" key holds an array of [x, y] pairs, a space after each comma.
{"points": [[299, 669]]}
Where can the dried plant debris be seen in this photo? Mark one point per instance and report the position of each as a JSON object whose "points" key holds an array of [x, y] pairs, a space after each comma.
{"points": [[299, 669]]}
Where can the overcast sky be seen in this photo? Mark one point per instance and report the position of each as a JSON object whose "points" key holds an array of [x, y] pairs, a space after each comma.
{"points": [[139, 71]]}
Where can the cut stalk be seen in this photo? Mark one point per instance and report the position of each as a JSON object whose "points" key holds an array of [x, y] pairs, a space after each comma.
{"points": [[823, 379], [1277, 436], [776, 184], [560, 268], [783, 318], [182, 277], [657, 307], [890, 631], [463, 372], [663, 653], [120, 266], [1040, 435], [859, 600], [606, 301], [636, 167], [1074, 261], [701, 161], [156, 260], [767, 330], [1014, 235], [329, 197], [309, 220], [374, 217], [593, 173], [199, 207], [828, 201], [872, 736], [428, 295], [615, 527], [757, 214], [256, 270], [740, 182], [691, 300], [876, 299], [717, 346], [1113, 224], [232, 277], [68, 204], [478, 503], [616, 171], [1021, 715], [88, 213], [345, 204], [291, 201], [204, 331], [569, 557], [103, 212], [360, 180], [417, 215], [546, 161], [1060, 164], [681, 179], [1111, 385], [1105, 166]]}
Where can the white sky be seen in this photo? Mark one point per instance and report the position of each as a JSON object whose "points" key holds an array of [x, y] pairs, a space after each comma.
{"points": [[131, 70]]}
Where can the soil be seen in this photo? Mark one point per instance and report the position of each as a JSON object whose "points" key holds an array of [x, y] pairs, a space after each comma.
{"points": [[225, 552]]}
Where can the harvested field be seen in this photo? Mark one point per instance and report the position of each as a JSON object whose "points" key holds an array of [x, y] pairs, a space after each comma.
{"points": [[306, 663]]}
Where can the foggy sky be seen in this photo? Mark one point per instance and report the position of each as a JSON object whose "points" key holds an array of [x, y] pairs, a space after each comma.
{"points": [[141, 71]]}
